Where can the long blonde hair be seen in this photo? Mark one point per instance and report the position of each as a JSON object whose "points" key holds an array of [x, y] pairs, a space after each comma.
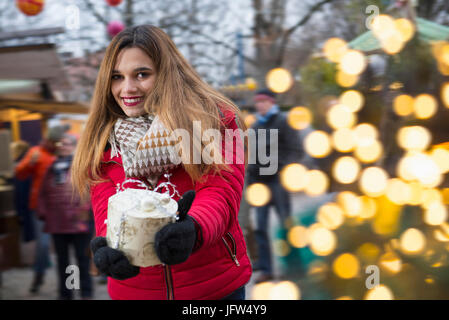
{"points": [[179, 97]]}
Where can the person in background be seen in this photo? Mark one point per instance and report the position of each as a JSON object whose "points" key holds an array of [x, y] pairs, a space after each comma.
{"points": [[66, 219], [22, 193], [34, 165], [288, 150]]}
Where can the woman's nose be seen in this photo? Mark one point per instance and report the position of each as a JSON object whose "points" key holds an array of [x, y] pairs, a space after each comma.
{"points": [[129, 86]]}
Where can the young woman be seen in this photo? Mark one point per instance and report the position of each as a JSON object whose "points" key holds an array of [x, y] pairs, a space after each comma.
{"points": [[146, 89]]}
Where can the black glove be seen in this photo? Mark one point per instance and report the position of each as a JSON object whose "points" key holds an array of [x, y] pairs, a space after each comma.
{"points": [[174, 242], [112, 262]]}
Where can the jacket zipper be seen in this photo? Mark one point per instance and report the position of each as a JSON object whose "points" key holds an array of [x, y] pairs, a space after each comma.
{"points": [[169, 283], [232, 253]]}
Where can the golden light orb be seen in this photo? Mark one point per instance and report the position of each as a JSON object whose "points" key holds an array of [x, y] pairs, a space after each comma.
{"points": [[346, 266], [403, 105], [406, 28], [365, 134], [353, 62], [322, 241], [340, 116], [334, 49], [373, 181], [350, 203], [317, 183], [435, 214], [346, 80], [261, 291], [415, 138], [330, 215], [445, 94], [249, 120], [412, 241], [279, 80], [317, 144], [390, 262], [343, 140], [353, 99], [368, 153], [294, 177], [258, 194], [346, 169], [369, 207], [380, 292], [298, 237], [284, 290], [299, 118], [441, 157], [398, 191], [425, 106]]}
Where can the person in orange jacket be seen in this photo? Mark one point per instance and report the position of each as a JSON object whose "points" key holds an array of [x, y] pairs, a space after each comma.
{"points": [[34, 165]]}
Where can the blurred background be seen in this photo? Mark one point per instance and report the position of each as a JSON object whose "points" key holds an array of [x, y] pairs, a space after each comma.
{"points": [[364, 84]]}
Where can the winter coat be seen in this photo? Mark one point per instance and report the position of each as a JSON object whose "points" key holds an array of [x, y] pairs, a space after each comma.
{"points": [[61, 209], [288, 148], [218, 266], [36, 171]]}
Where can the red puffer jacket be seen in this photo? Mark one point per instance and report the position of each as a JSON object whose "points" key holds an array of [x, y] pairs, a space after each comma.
{"points": [[219, 266]]}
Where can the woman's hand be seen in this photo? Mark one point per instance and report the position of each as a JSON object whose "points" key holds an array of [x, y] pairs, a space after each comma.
{"points": [[174, 242], [112, 262]]}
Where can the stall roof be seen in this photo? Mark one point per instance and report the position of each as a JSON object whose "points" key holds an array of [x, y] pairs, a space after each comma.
{"points": [[33, 62], [427, 30], [44, 106]]}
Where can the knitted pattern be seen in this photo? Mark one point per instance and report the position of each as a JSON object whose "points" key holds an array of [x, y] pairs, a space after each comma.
{"points": [[145, 145]]}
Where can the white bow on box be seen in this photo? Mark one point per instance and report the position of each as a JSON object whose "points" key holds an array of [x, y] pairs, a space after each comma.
{"points": [[134, 218]]}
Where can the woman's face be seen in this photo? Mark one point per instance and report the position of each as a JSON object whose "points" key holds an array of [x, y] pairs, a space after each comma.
{"points": [[133, 79]]}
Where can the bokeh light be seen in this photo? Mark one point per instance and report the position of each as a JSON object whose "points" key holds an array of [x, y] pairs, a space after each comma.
{"points": [[353, 99], [365, 134], [368, 153], [416, 138], [425, 106], [346, 266], [334, 49], [350, 203], [317, 144], [330, 215], [390, 262], [317, 183], [412, 241], [299, 118], [353, 62], [294, 177], [403, 105], [284, 290], [343, 140], [445, 94], [297, 236], [373, 181], [279, 80], [258, 194], [406, 28], [346, 170], [346, 80], [435, 214], [340, 116], [380, 292], [322, 241]]}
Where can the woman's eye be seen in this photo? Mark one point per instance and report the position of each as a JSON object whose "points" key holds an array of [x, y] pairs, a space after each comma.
{"points": [[142, 75], [116, 77]]}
